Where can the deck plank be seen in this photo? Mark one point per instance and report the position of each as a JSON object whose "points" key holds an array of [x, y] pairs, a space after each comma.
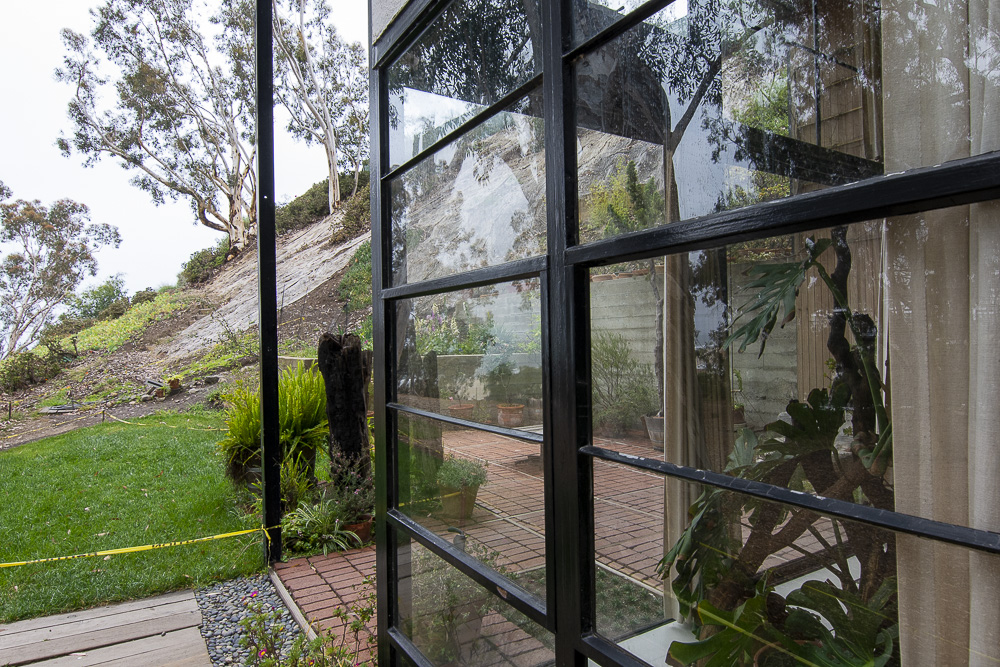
{"points": [[96, 612], [181, 648], [13, 640], [99, 638]]}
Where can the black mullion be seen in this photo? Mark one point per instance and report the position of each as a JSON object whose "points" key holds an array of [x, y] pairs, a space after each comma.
{"points": [[405, 29], [385, 449], [477, 120], [517, 270], [570, 563], [526, 436], [505, 589], [267, 290], [964, 181], [617, 29], [980, 540], [403, 644]]}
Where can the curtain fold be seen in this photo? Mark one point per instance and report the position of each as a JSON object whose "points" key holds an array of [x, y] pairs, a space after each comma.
{"points": [[941, 69]]}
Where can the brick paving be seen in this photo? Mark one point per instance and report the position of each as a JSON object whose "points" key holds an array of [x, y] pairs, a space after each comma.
{"points": [[508, 524]]}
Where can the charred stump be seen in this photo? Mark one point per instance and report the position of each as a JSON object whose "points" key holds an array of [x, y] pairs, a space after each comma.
{"points": [[346, 370]]}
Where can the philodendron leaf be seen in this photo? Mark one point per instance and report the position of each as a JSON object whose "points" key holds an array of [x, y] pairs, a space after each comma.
{"points": [[778, 286]]}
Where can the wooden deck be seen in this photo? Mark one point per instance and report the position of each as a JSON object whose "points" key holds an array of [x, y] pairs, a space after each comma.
{"points": [[156, 631]]}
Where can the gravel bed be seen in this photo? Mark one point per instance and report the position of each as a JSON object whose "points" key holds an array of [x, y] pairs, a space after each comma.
{"points": [[225, 604]]}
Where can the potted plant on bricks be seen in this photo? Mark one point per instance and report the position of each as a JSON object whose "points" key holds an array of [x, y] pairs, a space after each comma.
{"points": [[499, 368], [459, 481]]}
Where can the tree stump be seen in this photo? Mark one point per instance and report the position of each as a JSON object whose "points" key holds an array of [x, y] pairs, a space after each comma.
{"points": [[346, 370]]}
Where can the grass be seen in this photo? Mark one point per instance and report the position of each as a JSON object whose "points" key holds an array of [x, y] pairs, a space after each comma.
{"points": [[110, 486]]}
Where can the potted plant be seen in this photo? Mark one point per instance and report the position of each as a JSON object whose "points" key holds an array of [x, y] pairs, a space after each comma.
{"points": [[459, 481], [499, 368], [449, 607]]}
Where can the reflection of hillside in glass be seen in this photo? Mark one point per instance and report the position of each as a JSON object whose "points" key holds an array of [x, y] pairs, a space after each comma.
{"points": [[734, 103], [476, 52], [479, 201]]}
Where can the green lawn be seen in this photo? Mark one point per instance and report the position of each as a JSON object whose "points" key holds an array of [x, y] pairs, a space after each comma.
{"points": [[110, 486]]}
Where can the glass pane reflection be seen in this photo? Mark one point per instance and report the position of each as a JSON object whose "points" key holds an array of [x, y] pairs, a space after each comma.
{"points": [[678, 560], [474, 354], [477, 489], [479, 201], [710, 106], [454, 621], [847, 362], [476, 52]]}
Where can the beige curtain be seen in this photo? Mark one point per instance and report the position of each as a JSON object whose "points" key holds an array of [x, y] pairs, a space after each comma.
{"points": [[940, 66]]}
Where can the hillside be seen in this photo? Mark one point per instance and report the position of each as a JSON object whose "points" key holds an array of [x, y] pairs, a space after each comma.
{"points": [[203, 335]]}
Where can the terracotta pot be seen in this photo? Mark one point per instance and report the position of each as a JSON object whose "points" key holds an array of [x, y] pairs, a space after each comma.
{"points": [[458, 503], [363, 529], [654, 428], [461, 410], [510, 415], [601, 277]]}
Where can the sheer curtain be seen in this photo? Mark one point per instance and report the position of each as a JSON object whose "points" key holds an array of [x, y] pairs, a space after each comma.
{"points": [[941, 66]]}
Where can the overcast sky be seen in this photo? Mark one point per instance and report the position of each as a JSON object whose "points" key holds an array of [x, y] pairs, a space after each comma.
{"points": [[155, 239]]}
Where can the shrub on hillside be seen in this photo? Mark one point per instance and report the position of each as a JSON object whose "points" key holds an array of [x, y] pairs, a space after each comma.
{"points": [[307, 208], [357, 217], [356, 286], [66, 326], [92, 302], [314, 204], [26, 368], [143, 296], [203, 264], [114, 310]]}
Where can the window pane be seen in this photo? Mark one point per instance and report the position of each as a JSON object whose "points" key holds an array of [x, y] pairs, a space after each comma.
{"points": [[476, 52], [477, 202], [781, 578], [592, 16], [454, 621], [476, 487], [852, 362], [474, 354], [717, 108]]}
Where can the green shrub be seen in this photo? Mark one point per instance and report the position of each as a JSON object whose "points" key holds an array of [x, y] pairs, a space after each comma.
{"points": [[307, 208], [357, 217], [624, 390], [319, 525], [460, 473], [301, 420], [143, 296], [203, 264], [114, 310], [26, 368], [356, 285], [66, 326], [92, 302]]}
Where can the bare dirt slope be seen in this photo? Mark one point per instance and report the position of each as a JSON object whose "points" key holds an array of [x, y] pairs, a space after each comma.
{"points": [[309, 272], [305, 263]]}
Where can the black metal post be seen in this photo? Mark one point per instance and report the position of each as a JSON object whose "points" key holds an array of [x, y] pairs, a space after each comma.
{"points": [[267, 285]]}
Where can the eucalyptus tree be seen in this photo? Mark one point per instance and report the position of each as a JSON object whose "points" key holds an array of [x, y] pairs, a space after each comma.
{"points": [[175, 111], [323, 85], [47, 252]]}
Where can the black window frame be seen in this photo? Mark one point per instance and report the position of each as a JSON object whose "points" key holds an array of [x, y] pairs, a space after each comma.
{"points": [[568, 611]]}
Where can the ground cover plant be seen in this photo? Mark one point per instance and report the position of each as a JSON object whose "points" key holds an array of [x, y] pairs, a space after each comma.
{"points": [[118, 485], [109, 335]]}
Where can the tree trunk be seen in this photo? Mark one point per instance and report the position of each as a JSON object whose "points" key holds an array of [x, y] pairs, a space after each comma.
{"points": [[346, 369]]}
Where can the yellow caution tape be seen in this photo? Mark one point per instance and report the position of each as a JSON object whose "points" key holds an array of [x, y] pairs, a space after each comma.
{"points": [[187, 428], [145, 547]]}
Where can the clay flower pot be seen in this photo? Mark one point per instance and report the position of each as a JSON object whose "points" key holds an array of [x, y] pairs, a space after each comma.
{"points": [[510, 415]]}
